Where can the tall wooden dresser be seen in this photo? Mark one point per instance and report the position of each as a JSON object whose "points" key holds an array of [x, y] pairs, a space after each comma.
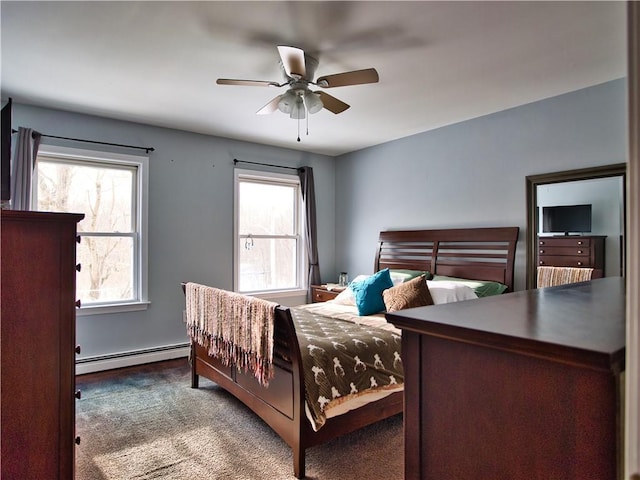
{"points": [[572, 251], [520, 386], [38, 344]]}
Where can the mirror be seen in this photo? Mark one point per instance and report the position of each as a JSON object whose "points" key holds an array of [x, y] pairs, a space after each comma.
{"points": [[551, 186]]}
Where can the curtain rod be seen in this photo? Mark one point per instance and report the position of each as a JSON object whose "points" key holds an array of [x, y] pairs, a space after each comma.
{"points": [[146, 149], [236, 161]]}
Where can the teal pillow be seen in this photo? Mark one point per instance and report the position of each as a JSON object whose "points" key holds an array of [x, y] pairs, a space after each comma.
{"points": [[368, 292], [483, 288]]}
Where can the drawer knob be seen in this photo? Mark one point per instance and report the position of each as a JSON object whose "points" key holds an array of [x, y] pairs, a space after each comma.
{"points": [[541, 262], [541, 251], [579, 242], [78, 394], [579, 251], [541, 242], [579, 264]]}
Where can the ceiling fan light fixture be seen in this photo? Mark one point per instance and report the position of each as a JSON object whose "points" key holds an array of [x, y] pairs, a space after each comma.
{"points": [[298, 110], [313, 101], [287, 102], [298, 102]]}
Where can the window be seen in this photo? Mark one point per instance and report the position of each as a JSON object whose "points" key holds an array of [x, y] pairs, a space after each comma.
{"points": [[269, 246], [111, 191]]}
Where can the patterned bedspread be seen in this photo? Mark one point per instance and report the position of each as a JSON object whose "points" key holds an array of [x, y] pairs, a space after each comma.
{"points": [[343, 360]]}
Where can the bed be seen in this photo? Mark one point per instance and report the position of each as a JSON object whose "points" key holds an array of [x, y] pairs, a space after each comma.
{"points": [[473, 255]]}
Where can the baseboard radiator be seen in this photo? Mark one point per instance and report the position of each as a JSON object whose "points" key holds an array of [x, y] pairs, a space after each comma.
{"points": [[127, 359]]}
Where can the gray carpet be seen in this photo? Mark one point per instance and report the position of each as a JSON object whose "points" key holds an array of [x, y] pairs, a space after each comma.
{"points": [[149, 424]]}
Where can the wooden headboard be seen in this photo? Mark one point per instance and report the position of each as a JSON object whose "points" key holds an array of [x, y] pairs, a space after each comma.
{"points": [[473, 253]]}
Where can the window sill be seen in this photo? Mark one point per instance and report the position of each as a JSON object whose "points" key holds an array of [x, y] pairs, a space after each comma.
{"points": [[276, 293], [283, 297], [114, 308]]}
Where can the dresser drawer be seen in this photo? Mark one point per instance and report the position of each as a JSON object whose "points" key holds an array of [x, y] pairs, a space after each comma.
{"points": [[564, 242], [565, 261], [320, 294], [570, 251]]}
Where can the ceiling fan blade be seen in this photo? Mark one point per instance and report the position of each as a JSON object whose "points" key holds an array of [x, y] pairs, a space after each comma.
{"points": [[357, 77], [293, 61], [246, 83], [270, 107], [332, 103]]}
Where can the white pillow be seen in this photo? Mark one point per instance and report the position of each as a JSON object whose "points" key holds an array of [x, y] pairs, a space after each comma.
{"points": [[444, 291], [347, 297]]}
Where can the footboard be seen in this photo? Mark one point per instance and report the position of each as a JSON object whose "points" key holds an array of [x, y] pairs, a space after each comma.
{"points": [[281, 404], [278, 395]]}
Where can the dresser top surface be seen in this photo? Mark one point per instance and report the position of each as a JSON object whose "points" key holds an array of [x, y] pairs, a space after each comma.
{"points": [[34, 216], [582, 322]]}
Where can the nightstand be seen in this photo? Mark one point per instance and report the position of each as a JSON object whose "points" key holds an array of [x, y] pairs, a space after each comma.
{"points": [[320, 293]]}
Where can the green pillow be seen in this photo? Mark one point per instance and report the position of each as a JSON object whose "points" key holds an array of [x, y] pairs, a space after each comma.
{"points": [[368, 292], [482, 288], [408, 274]]}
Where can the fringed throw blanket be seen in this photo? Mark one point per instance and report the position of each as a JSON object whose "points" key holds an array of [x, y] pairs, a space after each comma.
{"points": [[551, 276], [235, 328], [343, 360]]}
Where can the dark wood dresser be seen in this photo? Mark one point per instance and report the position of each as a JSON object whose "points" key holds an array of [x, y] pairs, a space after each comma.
{"points": [[572, 251], [38, 345], [524, 385]]}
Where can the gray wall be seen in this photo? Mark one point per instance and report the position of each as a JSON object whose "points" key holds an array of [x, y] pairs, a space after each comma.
{"points": [[190, 218], [473, 173], [464, 175]]}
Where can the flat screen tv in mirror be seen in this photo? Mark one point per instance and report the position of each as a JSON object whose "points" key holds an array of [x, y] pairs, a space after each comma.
{"points": [[566, 219]]}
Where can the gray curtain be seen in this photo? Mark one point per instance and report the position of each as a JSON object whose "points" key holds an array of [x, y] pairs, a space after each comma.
{"points": [[309, 199], [24, 162]]}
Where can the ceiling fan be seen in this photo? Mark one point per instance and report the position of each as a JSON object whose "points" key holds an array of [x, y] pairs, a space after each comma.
{"points": [[299, 69]]}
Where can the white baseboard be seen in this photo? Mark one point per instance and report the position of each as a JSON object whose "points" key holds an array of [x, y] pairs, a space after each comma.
{"points": [[128, 359]]}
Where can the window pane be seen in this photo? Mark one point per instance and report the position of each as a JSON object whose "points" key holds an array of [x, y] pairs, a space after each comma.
{"points": [[267, 264], [103, 194], [267, 209], [107, 269]]}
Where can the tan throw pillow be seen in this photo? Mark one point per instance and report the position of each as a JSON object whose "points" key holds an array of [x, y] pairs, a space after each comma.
{"points": [[414, 293]]}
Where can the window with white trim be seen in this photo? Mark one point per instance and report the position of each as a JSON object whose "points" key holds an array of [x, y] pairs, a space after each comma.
{"points": [[111, 191], [269, 251]]}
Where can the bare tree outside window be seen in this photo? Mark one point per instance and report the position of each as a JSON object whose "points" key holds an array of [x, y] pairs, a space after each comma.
{"points": [[104, 193], [268, 239]]}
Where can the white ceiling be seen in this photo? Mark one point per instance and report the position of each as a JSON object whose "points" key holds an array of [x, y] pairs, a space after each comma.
{"points": [[439, 62]]}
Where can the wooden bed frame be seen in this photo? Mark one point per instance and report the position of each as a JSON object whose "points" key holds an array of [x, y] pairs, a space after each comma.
{"points": [[473, 253]]}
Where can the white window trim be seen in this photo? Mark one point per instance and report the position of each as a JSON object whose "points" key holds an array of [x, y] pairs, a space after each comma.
{"points": [[141, 270], [303, 264]]}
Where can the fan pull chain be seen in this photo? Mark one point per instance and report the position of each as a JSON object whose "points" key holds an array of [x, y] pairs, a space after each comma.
{"points": [[298, 129]]}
